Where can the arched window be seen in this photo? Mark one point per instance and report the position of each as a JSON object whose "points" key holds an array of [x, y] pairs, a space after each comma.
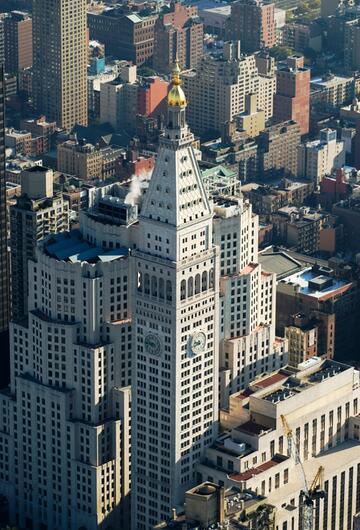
{"points": [[146, 284], [211, 279], [190, 287], [154, 286], [183, 290], [168, 291], [161, 288], [204, 281], [197, 284], [140, 282]]}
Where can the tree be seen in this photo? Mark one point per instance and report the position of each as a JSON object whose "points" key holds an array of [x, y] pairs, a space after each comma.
{"points": [[281, 52], [145, 71]]}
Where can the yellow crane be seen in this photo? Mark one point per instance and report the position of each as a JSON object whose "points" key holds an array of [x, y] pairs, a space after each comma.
{"points": [[309, 493]]}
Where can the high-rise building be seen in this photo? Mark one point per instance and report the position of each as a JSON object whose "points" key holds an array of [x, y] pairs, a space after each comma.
{"points": [[18, 41], [320, 157], [179, 34], [330, 7], [252, 23], [118, 101], [65, 421], [247, 300], [4, 261], [36, 214], [278, 149], [292, 97], [267, 83], [126, 34], [217, 88], [2, 43], [175, 365], [60, 57], [352, 44]]}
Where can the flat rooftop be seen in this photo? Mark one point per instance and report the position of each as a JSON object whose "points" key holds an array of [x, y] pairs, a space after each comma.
{"points": [[314, 283], [332, 81], [280, 263], [296, 383], [71, 247], [285, 384], [224, 10], [250, 473]]}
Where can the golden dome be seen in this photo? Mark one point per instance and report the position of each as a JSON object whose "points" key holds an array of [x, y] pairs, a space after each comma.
{"points": [[176, 96]]}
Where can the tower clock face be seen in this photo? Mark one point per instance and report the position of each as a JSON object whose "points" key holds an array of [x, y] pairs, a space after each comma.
{"points": [[197, 342], [152, 344]]}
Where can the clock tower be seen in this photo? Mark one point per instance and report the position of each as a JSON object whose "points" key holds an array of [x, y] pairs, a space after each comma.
{"points": [[175, 366]]}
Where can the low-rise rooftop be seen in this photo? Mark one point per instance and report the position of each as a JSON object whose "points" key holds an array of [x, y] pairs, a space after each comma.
{"points": [[250, 473], [317, 283], [280, 263]]}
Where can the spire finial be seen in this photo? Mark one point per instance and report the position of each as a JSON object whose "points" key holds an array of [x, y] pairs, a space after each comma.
{"points": [[176, 96]]}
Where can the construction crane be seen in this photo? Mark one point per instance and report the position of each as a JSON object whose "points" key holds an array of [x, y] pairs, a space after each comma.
{"points": [[310, 493]]}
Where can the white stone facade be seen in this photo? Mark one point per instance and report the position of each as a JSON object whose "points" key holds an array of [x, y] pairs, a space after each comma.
{"points": [[175, 375], [248, 346], [65, 421], [254, 452]]}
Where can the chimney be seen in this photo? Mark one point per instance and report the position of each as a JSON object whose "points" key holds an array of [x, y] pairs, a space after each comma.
{"points": [[222, 505]]}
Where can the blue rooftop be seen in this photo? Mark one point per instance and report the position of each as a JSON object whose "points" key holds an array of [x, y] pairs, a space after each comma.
{"points": [[69, 246]]}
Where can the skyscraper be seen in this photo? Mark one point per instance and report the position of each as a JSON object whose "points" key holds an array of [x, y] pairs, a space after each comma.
{"points": [[60, 60], [292, 97], [65, 421], [178, 33], [4, 263], [126, 35], [18, 41], [175, 364], [218, 86], [2, 42], [36, 214]]}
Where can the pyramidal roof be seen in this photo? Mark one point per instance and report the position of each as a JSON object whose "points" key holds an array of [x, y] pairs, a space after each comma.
{"points": [[176, 194]]}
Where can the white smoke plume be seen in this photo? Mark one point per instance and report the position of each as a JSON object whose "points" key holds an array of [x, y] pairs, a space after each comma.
{"points": [[138, 183]]}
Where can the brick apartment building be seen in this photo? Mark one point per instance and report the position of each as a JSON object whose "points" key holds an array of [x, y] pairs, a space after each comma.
{"points": [[178, 33], [252, 22], [292, 97], [126, 34]]}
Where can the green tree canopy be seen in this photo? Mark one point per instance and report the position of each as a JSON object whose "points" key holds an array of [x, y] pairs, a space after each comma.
{"points": [[281, 52]]}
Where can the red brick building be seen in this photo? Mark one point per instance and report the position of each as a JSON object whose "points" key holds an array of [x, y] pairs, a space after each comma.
{"points": [[334, 189], [152, 96], [252, 22], [292, 98], [134, 164], [178, 33]]}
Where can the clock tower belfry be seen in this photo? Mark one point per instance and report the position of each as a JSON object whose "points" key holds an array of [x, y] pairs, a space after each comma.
{"points": [[176, 358]]}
